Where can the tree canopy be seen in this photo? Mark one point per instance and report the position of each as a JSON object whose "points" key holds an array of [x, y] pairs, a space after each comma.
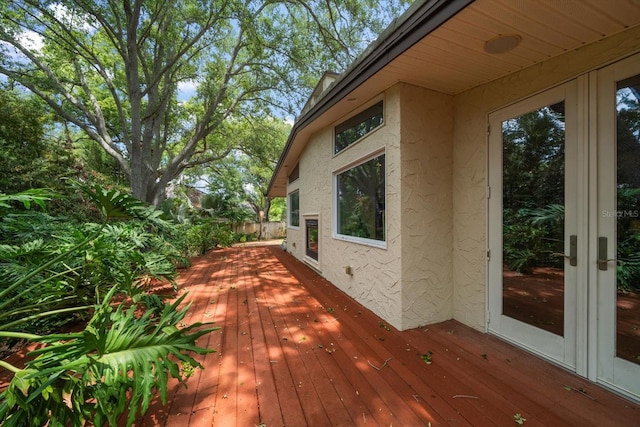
{"points": [[119, 69]]}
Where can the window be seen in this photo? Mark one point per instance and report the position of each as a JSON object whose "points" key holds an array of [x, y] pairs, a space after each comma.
{"points": [[361, 200], [349, 131], [294, 209], [312, 238], [295, 174]]}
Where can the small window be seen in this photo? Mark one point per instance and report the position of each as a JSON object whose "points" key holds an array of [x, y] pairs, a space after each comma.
{"points": [[361, 200], [294, 209], [312, 238], [295, 174], [349, 131]]}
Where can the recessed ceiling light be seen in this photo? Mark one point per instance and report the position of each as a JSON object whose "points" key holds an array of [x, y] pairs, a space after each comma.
{"points": [[352, 99], [502, 43]]}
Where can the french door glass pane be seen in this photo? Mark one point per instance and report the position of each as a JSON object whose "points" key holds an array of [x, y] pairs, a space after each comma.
{"points": [[628, 220], [533, 217]]}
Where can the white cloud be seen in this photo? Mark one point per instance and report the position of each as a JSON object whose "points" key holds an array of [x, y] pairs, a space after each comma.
{"points": [[31, 40], [62, 13], [187, 89]]}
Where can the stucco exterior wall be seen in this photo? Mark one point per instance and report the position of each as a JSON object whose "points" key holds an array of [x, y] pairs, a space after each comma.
{"points": [[470, 159], [433, 267], [427, 224], [375, 281]]}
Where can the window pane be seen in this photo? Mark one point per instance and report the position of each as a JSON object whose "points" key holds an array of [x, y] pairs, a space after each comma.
{"points": [[628, 220], [533, 217], [357, 126], [312, 238], [361, 200], [295, 174], [294, 209]]}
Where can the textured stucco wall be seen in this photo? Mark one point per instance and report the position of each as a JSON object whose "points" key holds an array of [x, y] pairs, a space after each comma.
{"points": [[375, 282], [314, 185], [470, 159], [427, 224], [434, 265]]}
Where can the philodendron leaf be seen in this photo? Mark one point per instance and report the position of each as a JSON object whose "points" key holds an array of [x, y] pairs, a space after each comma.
{"points": [[21, 381], [34, 195], [118, 363], [113, 203]]}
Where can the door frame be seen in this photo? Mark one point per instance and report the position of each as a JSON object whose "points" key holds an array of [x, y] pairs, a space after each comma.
{"points": [[589, 344], [604, 366], [560, 350]]}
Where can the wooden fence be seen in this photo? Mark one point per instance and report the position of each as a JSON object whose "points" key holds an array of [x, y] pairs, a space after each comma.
{"points": [[270, 230]]}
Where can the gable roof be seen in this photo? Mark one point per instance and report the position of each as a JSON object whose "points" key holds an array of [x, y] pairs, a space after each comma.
{"points": [[440, 45]]}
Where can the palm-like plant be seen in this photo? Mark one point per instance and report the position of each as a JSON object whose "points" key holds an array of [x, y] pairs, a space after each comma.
{"points": [[120, 359]]}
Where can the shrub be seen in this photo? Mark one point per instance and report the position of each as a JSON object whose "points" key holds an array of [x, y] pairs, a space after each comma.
{"points": [[121, 358]]}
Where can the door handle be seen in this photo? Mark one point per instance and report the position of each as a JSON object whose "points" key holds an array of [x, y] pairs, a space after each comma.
{"points": [[603, 261], [573, 251]]}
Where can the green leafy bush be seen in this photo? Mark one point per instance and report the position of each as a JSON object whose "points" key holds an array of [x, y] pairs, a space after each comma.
{"points": [[199, 238], [530, 237], [131, 344]]}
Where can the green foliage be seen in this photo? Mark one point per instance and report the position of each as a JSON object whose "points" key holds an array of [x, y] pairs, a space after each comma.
{"points": [[278, 211], [226, 204], [132, 343], [530, 237], [427, 357], [116, 364], [123, 89], [88, 258], [29, 156], [533, 190], [628, 235], [200, 238]]}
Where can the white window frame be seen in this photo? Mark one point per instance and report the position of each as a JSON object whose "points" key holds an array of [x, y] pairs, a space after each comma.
{"points": [[289, 210], [334, 209], [365, 136]]}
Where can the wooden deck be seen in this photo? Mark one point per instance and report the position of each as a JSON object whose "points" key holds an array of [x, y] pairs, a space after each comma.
{"points": [[293, 350]]}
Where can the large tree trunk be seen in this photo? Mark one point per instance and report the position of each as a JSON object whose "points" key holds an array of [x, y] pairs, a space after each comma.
{"points": [[267, 207]]}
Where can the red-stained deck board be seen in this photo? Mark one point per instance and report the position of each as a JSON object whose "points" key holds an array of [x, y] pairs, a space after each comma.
{"points": [[269, 413], [288, 333]]}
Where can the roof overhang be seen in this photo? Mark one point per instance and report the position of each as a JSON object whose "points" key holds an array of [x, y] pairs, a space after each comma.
{"points": [[442, 45]]}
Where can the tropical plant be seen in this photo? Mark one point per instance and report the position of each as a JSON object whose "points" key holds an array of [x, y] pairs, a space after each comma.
{"points": [[66, 267], [131, 344], [530, 237], [116, 364]]}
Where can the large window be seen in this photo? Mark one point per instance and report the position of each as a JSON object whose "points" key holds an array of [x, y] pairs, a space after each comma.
{"points": [[349, 131], [294, 209], [361, 200]]}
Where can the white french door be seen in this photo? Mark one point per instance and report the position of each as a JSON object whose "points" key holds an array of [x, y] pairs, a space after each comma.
{"points": [[535, 219], [615, 227], [564, 225]]}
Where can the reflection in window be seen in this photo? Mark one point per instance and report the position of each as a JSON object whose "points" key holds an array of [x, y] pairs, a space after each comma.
{"points": [[349, 131], [533, 180], [294, 209], [295, 174], [312, 238], [361, 200], [628, 219]]}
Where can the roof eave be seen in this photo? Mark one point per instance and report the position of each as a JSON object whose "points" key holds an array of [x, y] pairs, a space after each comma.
{"points": [[417, 22]]}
